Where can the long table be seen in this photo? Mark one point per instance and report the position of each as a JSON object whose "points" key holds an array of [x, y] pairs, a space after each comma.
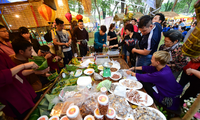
{"points": [[123, 65]]}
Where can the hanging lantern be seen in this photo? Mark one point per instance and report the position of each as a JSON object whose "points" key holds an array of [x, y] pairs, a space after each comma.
{"points": [[79, 17], [68, 16], [47, 13]]}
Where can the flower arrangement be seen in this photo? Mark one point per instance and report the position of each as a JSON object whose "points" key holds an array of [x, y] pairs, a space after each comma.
{"points": [[186, 106]]}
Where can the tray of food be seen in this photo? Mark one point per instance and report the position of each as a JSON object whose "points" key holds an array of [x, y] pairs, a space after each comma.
{"points": [[112, 88], [138, 98], [120, 105], [148, 113], [130, 84], [115, 76]]}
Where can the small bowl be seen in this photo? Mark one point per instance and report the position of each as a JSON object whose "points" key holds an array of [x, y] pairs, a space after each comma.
{"points": [[100, 67], [112, 73], [78, 73], [89, 71]]}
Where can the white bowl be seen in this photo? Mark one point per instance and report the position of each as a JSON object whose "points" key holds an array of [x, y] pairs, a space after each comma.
{"points": [[87, 70], [112, 73], [100, 67], [78, 73], [83, 82]]}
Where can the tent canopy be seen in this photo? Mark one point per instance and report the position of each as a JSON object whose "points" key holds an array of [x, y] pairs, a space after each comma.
{"points": [[181, 16], [169, 14]]}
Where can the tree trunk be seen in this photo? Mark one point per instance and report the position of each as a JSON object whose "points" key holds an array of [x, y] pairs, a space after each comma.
{"points": [[116, 3], [174, 5], [122, 6], [95, 3], [158, 4]]}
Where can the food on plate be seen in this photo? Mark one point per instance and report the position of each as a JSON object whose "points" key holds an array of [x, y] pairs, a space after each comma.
{"points": [[73, 113], [103, 90], [97, 115], [134, 96], [111, 115], [112, 88], [142, 113], [120, 105], [89, 72], [100, 67], [130, 84], [116, 76], [103, 103], [56, 111], [113, 69]]}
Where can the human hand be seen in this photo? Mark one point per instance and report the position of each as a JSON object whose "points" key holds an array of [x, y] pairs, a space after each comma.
{"points": [[40, 72], [31, 65], [56, 58], [111, 47], [104, 45], [47, 74], [133, 50], [67, 44], [128, 72], [79, 43], [189, 71], [195, 60], [131, 68], [48, 55]]}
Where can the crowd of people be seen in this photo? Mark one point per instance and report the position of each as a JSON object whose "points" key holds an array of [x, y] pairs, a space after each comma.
{"points": [[157, 67]]}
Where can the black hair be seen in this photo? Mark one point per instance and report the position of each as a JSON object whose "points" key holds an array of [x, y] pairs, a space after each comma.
{"points": [[20, 44], [44, 48], [59, 21], [134, 19], [195, 23], [145, 21], [1, 26], [111, 26], [173, 35], [103, 28], [80, 20], [23, 30], [129, 27], [162, 17]]}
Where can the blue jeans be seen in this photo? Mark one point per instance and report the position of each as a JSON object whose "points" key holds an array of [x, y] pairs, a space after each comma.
{"points": [[68, 57], [143, 60]]}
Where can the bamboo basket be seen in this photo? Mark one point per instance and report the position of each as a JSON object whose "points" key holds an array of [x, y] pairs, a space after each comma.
{"points": [[191, 47]]}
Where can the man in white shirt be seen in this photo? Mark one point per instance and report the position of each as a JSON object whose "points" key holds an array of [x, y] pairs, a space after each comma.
{"points": [[62, 39]]}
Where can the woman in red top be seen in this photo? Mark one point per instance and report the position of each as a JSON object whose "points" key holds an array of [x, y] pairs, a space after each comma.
{"points": [[15, 91]]}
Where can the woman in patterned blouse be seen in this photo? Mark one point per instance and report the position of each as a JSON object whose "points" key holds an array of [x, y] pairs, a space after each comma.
{"points": [[173, 46]]}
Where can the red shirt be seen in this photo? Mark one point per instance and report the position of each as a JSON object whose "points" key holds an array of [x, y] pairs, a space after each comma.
{"points": [[8, 49], [12, 91], [135, 28], [53, 65]]}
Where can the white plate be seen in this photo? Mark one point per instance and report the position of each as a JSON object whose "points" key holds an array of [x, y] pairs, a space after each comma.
{"points": [[101, 73], [143, 95], [115, 65], [87, 70], [160, 113], [111, 85], [112, 73], [84, 81], [138, 86], [100, 67], [78, 73]]}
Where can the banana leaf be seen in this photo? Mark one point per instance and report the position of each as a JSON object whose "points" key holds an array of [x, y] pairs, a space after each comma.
{"points": [[35, 114], [71, 68], [41, 63], [53, 76]]}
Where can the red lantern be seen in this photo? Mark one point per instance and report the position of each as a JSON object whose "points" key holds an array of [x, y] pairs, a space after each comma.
{"points": [[79, 17], [68, 16]]}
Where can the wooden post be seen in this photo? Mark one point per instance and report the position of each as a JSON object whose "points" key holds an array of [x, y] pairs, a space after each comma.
{"points": [[194, 108]]}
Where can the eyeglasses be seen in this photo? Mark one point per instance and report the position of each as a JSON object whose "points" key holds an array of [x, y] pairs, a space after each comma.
{"points": [[4, 31]]}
